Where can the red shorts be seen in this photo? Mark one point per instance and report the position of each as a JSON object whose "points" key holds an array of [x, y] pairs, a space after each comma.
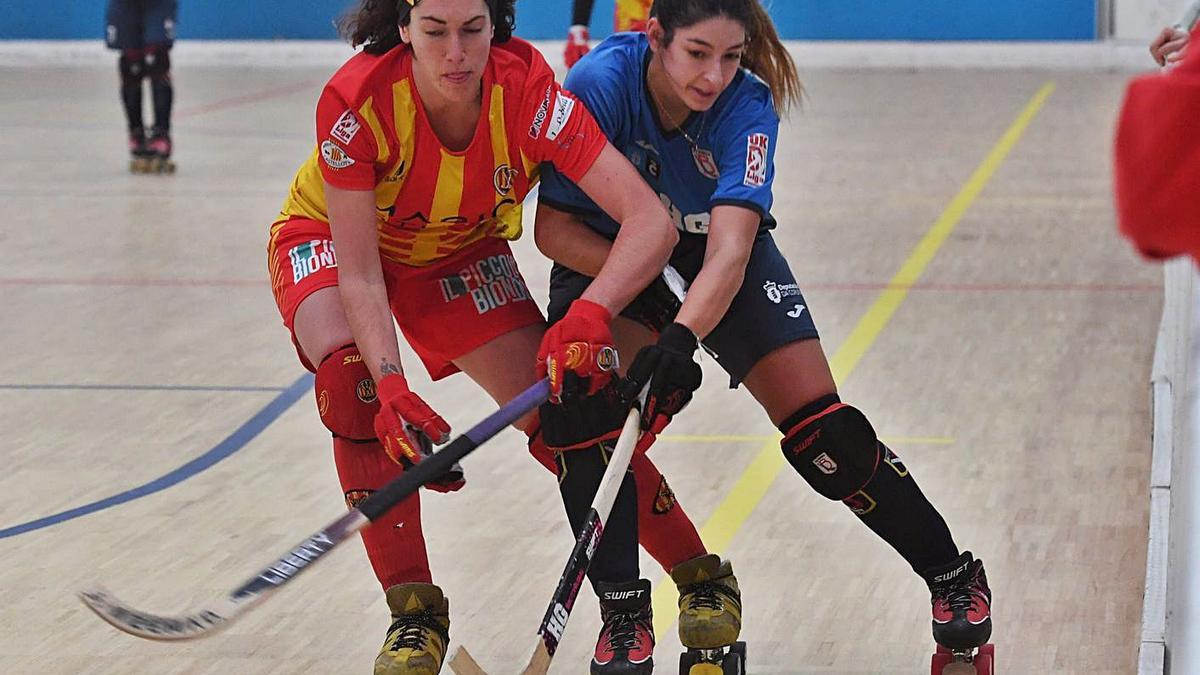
{"points": [[445, 310]]}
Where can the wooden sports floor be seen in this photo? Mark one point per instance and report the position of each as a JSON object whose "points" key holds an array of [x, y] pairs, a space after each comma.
{"points": [[952, 231]]}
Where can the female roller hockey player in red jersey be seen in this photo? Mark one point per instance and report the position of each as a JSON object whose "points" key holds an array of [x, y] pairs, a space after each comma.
{"points": [[693, 103], [427, 143]]}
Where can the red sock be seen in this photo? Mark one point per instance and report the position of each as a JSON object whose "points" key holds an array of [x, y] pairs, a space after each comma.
{"points": [[664, 529], [395, 544]]}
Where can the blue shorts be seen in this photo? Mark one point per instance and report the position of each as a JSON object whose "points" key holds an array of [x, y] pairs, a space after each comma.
{"points": [[767, 313], [136, 24]]}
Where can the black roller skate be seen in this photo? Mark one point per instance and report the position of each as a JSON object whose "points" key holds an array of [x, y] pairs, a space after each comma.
{"points": [[710, 617], [962, 618], [140, 156], [159, 148], [626, 643]]}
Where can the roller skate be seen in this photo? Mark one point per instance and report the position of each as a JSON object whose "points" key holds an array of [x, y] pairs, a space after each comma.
{"points": [[159, 148], [710, 617], [962, 618], [626, 643], [420, 630], [140, 155]]}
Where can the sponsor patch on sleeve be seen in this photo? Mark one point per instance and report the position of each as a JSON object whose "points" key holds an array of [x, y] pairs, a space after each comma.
{"points": [[539, 118], [346, 127], [756, 160], [334, 156], [563, 105]]}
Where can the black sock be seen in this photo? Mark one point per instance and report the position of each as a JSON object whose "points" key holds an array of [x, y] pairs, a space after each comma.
{"points": [[580, 473], [163, 94], [894, 507], [581, 14]]}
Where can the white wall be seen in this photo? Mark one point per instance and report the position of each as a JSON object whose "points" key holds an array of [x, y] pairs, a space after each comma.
{"points": [[1141, 20]]}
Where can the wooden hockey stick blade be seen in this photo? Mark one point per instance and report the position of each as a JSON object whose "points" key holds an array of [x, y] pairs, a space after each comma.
{"points": [[463, 664], [539, 663], [212, 618]]}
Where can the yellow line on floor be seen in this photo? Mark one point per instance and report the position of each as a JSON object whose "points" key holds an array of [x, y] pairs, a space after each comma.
{"points": [[754, 482]]}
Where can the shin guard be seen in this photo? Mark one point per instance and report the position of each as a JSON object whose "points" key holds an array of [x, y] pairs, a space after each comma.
{"points": [[395, 543]]}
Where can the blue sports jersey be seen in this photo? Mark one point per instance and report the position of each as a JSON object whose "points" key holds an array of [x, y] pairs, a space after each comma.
{"points": [[731, 163]]}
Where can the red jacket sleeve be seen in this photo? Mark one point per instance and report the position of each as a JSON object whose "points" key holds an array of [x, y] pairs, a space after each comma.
{"points": [[1157, 160], [345, 144], [560, 129]]}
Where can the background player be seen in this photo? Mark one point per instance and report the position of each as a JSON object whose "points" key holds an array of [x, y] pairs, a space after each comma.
{"points": [[628, 15], [439, 85], [702, 131], [144, 31]]}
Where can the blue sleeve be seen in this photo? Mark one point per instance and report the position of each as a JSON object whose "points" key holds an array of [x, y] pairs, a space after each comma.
{"points": [[598, 85], [745, 151]]}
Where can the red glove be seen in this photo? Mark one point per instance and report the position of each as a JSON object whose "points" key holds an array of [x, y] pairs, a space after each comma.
{"points": [[398, 405], [577, 353], [577, 45]]}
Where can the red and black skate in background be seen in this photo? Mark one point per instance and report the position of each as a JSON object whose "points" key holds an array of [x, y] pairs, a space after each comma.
{"points": [[962, 618]]}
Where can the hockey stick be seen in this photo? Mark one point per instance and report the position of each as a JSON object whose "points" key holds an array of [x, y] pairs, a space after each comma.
{"points": [[550, 631], [225, 611]]}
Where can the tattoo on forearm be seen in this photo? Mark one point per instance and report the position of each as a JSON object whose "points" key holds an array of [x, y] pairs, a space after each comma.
{"points": [[388, 368]]}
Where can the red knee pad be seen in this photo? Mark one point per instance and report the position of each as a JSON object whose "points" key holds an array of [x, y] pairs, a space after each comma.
{"points": [[346, 397]]}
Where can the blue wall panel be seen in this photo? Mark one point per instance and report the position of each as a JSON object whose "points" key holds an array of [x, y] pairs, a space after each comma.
{"points": [[547, 19]]}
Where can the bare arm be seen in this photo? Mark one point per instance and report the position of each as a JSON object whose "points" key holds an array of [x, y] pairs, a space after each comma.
{"points": [[568, 241], [730, 239], [360, 277], [645, 240]]}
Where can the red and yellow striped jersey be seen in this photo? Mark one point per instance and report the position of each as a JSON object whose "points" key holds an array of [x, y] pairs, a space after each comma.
{"points": [[372, 134], [631, 15]]}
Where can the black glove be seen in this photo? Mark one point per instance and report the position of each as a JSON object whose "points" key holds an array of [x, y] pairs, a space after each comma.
{"points": [[672, 373], [654, 307]]}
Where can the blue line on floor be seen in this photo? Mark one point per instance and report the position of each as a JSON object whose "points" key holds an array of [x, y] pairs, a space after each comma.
{"points": [[232, 443]]}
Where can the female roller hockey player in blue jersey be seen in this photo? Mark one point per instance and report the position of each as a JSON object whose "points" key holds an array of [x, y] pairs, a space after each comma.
{"points": [[694, 103]]}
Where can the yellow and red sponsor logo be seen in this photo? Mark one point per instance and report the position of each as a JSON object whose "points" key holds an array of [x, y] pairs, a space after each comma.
{"points": [[323, 402], [664, 501], [365, 391], [356, 497]]}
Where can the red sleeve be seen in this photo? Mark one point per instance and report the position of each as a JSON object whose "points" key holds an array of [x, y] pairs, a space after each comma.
{"points": [[560, 129], [345, 144], [1157, 162]]}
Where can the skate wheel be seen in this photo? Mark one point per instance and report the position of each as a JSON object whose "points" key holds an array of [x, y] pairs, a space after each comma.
{"points": [[706, 669], [985, 660], [734, 662]]}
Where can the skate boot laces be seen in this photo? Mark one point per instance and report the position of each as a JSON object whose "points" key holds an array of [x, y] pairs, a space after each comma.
{"points": [[623, 631], [706, 595], [414, 631]]}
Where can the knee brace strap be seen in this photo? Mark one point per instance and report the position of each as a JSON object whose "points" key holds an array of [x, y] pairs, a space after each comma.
{"points": [[346, 397], [833, 447], [158, 64], [132, 65]]}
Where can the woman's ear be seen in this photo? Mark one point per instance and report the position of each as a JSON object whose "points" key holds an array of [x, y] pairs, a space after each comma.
{"points": [[404, 34], [654, 31]]}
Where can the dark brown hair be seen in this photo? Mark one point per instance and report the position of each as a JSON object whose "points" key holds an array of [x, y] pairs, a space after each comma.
{"points": [[765, 55], [375, 24]]}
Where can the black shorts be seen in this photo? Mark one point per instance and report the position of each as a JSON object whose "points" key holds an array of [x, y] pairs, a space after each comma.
{"points": [[136, 24], [767, 313]]}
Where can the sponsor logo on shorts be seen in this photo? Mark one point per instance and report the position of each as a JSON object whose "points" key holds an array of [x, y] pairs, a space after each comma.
{"points": [[706, 164], [796, 311], [756, 160], [776, 292], [563, 105], [491, 282], [334, 156], [346, 127], [503, 179], [310, 257], [539, 118]]}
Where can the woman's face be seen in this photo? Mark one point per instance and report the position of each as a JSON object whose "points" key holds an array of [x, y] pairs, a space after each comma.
{"points": [[701, 60], [450, 40]]}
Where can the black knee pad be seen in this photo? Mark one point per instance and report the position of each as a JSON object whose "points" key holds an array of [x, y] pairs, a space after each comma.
{"points": [[346, 396], [132, 65], [158, 64], [832, 446]]}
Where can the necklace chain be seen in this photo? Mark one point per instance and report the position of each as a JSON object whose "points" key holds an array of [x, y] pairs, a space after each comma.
{"points": [[679, 127]]}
